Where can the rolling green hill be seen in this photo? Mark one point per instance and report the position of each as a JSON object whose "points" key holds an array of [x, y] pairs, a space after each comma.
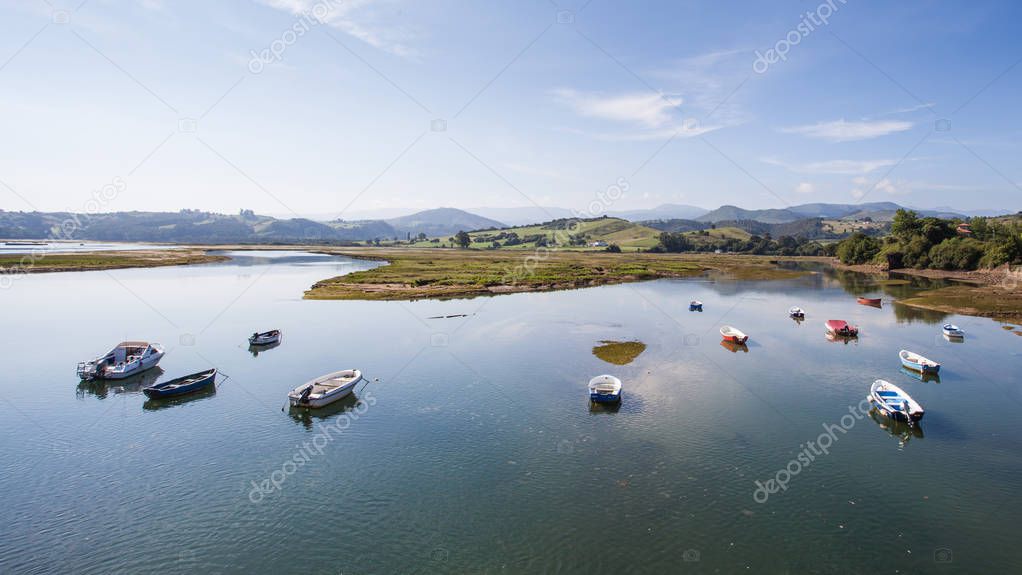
{"points": [[561, 233]]}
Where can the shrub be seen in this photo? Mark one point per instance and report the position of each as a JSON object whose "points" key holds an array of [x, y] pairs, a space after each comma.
{"points": [[858, 249], [956, 254]]}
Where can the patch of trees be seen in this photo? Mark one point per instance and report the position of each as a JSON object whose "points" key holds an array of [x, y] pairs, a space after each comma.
{"points": [[937, 243], [674, 242]]}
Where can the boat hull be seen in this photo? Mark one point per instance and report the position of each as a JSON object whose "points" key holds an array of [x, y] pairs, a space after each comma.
{"points": [[295, 398], [875, 302], [264, 339], [735, 339], [928, 369], [605, 397], [841, 328], [897, 405], [953, 332], [164, 390]]}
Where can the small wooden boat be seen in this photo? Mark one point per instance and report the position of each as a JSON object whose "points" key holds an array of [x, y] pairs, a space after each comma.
{"points": [[893, 402], [325, 389], [917, 362], [182, 385], [695, 305], [265, 338], [605, 389], [952, 330], [796, 312], [127, 359], [871, 301], [842, 328], [733, 334]]}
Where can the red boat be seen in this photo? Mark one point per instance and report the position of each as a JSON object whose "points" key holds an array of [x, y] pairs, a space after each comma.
{"points": [[873, 301], [841, 327], [733, 335]]}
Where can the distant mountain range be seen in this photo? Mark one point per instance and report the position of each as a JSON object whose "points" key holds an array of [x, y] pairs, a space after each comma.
{"points": [[192, 226], [877, 211]]}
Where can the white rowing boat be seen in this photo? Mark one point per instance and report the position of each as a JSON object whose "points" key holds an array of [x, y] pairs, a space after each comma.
{"points": [[325, 389]]}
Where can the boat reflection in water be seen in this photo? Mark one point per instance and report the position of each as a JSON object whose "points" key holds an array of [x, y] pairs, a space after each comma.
{"points": [[175, 401], [845, 339], [734, 347], [308, 417], [255, 350], [899, 429], [924, 377], [597, 408], [101, 388]]}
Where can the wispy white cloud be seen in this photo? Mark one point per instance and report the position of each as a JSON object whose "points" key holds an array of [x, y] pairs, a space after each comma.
{"points": [[910, 109], [805, 188], [646, 115], [366, 20], [833, 167], [845, 131], [649, 109], [864, 186], [696, 98]]}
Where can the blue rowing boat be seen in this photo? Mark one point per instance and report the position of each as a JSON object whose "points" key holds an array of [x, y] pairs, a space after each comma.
{"points": [[695, 305], [917, 362], [182, 385], [605, 389], [893, 402]]}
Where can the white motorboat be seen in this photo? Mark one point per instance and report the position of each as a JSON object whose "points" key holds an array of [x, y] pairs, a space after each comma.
{"points": [[325, 389], [952, 330], [796, 312], [127, 359]]}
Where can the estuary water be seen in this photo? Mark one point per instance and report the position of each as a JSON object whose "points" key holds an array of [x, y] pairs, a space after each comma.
{"points": [[473, 447]]}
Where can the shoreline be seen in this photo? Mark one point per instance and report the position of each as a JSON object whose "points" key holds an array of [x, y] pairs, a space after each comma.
{"points": [[992, 293], [430, 273], [12, 264], [410, 274]]}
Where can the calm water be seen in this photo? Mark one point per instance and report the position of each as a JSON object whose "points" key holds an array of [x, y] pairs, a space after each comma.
{"points": [[27, 247], [477, 450]]}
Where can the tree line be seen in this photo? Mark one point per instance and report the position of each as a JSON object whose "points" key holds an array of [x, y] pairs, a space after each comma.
{"points": [[936, 243]]}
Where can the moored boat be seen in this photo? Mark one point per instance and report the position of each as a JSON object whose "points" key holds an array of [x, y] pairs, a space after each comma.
{"points": [[952, 330], [265, 338], [916, 362], [841, 327], [893, 402], [127, 359], [182, 385], [796, 312], [325, 389], [605, 389], [695, 305], [872, 301], [733, 334]]}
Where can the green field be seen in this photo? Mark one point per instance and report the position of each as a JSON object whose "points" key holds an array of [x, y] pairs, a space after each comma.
{"points": [[627, 235]]}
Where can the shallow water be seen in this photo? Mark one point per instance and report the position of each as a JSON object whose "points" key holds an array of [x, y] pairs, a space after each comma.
{"points": [[477, 451], [37, 249]]}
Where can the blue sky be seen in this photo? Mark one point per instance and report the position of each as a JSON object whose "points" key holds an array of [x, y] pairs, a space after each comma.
{"points": [[305, 107]]}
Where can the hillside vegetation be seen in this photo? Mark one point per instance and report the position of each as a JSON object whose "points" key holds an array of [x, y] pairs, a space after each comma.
{"points": [[936, 243]]}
